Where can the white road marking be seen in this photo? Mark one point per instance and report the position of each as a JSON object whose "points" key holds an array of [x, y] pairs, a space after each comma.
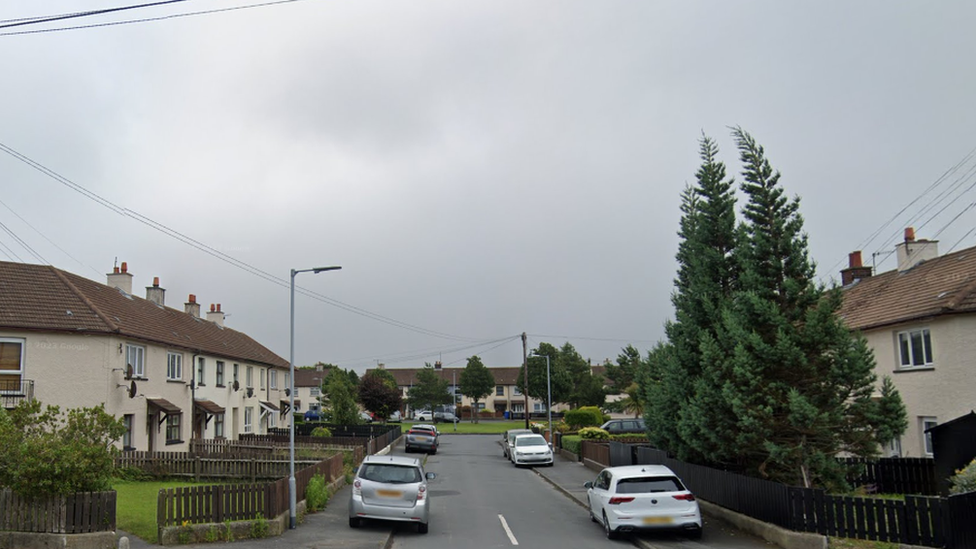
{"points": [[508, 530]]}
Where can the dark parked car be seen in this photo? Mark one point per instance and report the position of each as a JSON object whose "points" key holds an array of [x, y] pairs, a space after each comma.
{"points": [[620, 426]]}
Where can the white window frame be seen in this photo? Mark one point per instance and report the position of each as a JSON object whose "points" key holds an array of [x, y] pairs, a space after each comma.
{"points": [[250, 377], [906, 342], [174, 423], [128, 420], [272, 420], [261, 377], [515, 391], [924, 423], [219, 425], [272, 379], [499, 390], [893, 448], [249, 419], [19, 372], [314, 392], [174, 366], [237, 368], [136, 356], [220, 373]]}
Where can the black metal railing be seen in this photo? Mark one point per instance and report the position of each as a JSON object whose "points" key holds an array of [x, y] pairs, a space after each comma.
{"points": [[13, 392]]}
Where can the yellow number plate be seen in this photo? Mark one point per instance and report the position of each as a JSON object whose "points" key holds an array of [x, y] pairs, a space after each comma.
{"points": [[389, 493], [657, 520]]}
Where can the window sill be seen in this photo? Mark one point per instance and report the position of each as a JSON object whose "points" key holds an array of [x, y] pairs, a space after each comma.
{"points": [[221, 385], [914, 369], [175, 381], [171, 442]]}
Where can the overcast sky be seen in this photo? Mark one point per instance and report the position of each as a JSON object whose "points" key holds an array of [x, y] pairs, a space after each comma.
{"points": [[478, 169]]}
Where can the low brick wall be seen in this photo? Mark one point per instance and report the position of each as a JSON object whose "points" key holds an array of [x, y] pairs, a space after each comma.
{"points": [[25, 540]]}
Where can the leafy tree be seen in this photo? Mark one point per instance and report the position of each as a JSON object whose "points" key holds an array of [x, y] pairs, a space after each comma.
{"points": [[429, 391], [633, 403], [623, 373], [44, 452], [476, 382], [589, 391], [378, 393], [341, 405], [539, 383], [579, 372]]}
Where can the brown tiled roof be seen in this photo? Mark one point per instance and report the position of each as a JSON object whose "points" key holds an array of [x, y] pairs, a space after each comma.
{"points": [[941, 286], [408, 376], [43, 298], [309, 378]]}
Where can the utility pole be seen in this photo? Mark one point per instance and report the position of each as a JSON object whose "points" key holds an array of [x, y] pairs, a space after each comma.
{"points": [[525, 371]]}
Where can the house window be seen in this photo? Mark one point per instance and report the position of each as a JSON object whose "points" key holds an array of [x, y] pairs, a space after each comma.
{"points": [[314, 392], [249, 419], [926, 424], [173, 428], [127, 436], [915, 348], [538, 407], [516, 392], [220, 373], [272, 420], [287, 381], [250, 376], [518, 407], [261, 377], [218, 425], [500, 390], [236, 368], [135, 356], [201, 372], [174, 366], [893, 448], [273, 379], [11, 364]]}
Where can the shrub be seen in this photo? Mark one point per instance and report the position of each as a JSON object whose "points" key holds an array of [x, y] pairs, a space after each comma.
{"points": [[964, 480], [573, 443], [212, 535], [629, 436], [598, 414], [228, 531], [561, 427], [593, 433], [316, 494], [321, 432], [582, 417]]}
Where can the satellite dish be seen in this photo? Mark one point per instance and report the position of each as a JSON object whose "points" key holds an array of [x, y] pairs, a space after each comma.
{"points": [[128, 371], [287, 391], [237, 385], [132, 390], [250, 392]]}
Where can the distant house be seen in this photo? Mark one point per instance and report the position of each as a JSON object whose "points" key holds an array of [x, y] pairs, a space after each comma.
{"points": [[169, 374], [920, 321], [308, 388]]}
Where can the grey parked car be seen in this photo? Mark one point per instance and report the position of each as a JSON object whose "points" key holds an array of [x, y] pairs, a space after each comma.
{"points": [[621, 426], [391, 488]]}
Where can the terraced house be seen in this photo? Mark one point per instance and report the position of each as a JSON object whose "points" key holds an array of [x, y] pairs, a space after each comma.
{"points": [[171, 375], [920, 321]]}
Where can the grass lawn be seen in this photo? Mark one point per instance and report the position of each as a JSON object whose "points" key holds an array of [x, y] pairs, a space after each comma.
{"points": [[467, 428], [136, 505]]}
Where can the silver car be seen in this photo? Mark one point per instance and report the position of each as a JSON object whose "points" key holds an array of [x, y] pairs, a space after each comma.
{"points": [[390, 488], [531, 450], [509, 440], [642, 497]]}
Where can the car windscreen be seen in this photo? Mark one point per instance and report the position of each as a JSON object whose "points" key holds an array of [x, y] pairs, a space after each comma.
{"points": [[513, 434], [530, 441], [390, 474], [648, 485]]}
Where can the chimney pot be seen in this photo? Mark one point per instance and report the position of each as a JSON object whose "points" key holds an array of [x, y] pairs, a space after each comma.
{"points": [[218, 307], [115, 269], [855, 259], [213, 308], [125, 267], [192, 298], [909, 237], [155, 282]]}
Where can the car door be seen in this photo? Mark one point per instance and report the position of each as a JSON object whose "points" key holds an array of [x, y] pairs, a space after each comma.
{"points": [[597, 496]]}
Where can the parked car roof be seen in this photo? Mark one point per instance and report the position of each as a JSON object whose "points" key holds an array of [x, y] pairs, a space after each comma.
{"points": [[390, 458]]}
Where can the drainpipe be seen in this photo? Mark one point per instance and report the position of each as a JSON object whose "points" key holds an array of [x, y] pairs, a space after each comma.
{"points": [[193, 395]]}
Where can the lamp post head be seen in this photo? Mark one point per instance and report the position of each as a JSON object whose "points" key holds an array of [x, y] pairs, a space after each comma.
{"points": [[318, 270]]}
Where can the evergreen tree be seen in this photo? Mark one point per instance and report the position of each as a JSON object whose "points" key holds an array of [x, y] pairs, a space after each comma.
{"points": [[430, 390], [476, 382], [341, 405], [621, 375]]}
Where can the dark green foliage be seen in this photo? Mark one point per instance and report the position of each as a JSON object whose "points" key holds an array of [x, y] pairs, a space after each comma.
{"points": [[45, 452], [538, 388], [622, 374], [429, 391], [476, 381], [323, 432], [341, 407], [316, 494], [573, 443], [582, 418], [593, 433], [378, 393], [892, 416]]}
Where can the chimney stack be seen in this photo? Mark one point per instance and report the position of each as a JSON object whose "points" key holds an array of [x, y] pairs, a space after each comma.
{"points": [[121, 279], [156, 294], [191, 307], [855, 271], [216, 315], [911, 252]]}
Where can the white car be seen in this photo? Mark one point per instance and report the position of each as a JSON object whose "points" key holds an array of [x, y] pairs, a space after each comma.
{"points": [[642, 497], [390, 488], [531, 449]]}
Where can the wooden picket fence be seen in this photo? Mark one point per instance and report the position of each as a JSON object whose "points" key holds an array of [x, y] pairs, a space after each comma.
{"points": [[216, 504], [79, 513], [181, 464]]}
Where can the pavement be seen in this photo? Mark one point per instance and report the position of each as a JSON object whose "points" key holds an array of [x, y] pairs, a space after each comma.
{"points": [[329, 528]]}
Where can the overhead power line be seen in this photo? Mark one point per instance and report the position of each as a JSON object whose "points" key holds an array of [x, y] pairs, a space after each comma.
{"points": [[62, 17], [217, 254]]}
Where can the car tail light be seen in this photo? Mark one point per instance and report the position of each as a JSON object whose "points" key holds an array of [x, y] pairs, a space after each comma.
{"points": [[420, 492], [685, 497], [615, 500]]}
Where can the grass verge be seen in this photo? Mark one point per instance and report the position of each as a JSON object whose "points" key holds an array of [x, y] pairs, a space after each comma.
{"points": [[467, 428], [136, 505]]}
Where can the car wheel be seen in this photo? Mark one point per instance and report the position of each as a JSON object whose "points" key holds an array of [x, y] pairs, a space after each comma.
{"points": [[695, 533], [354, 522], [606, 528], [422, 527]]}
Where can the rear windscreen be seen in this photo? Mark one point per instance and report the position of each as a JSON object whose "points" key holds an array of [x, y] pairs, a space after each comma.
{"points": [[648, 485], [392, 474]]}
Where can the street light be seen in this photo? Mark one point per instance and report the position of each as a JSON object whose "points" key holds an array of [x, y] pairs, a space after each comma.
{"points": [[549, 392], [292, 492]]}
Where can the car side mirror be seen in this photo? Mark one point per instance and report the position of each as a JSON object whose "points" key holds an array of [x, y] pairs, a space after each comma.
{"points": [[588, 484], [431, 476]]}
